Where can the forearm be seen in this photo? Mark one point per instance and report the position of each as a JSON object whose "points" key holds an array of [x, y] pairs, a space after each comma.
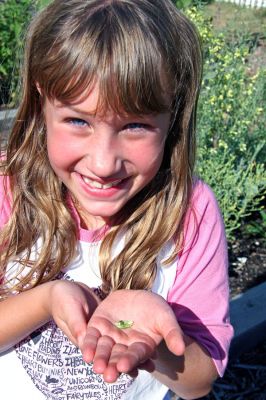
{"points": [[69, 304], [190, 376], [23, 313]]}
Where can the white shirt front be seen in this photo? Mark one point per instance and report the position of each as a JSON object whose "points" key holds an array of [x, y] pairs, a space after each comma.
{"points": [[46, 365]]}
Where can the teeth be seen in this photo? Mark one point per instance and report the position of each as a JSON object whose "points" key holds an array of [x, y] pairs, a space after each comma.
{"points": [[98, 185]]}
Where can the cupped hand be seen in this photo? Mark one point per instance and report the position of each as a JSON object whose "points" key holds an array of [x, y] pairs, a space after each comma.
{"points": [[71, 304], [115, 350]]}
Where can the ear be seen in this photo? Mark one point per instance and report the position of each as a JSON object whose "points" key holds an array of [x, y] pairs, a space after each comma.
{"points": [[38, 88]]}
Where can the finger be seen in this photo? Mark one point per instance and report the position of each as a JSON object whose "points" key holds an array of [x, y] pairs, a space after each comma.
{"points": [[135, 336], [64, 327], [174, 340], [89, 344], [154, 355], [102, 354], [74, 326], [171, 332], [111, 373], [137, 354]]}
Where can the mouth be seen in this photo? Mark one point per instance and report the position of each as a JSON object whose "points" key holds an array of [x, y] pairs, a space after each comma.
{"points": [[97, 185]]}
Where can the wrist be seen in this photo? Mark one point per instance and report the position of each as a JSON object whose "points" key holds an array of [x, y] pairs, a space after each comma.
{"points": [[48, 293], [92, 299]]}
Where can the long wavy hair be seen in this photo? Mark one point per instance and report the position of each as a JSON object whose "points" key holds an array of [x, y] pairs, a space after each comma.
{"points": [[139, 51]]}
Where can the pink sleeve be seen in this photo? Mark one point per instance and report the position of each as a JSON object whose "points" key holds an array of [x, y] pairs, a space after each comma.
{"points": [[5, 201], [200, 294]]}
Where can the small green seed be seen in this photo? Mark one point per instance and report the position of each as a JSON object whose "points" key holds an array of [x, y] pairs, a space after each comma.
{"points": [[124, 324]]}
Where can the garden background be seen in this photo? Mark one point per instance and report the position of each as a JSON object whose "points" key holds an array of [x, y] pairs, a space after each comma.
{"points": [[231, 139]]}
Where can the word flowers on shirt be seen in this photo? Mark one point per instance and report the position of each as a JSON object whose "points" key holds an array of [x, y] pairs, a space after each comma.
{"points": [[57, 369]]}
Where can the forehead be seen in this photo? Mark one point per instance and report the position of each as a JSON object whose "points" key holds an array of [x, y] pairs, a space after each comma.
{"points": [[104, 97]]}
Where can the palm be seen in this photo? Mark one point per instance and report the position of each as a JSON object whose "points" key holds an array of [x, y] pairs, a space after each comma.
{"points": [[126, 349]]}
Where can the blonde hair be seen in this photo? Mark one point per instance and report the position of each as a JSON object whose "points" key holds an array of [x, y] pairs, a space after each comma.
{"points": [[140, 50]]}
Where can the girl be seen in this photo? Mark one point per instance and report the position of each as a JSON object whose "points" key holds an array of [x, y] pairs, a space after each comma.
{"points": [[113, 255]]}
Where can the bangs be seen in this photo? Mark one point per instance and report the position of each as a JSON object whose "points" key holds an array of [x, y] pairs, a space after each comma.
{"points": [[115, 46]]}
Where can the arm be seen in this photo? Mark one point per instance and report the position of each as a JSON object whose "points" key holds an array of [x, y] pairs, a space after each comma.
{"points": [[69, 304], [190, 376], [22, 314], [200, 294], [200, 299]]}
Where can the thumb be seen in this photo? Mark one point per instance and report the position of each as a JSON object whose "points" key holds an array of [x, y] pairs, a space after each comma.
{"points": [[172, 334], [175, 341], [74, 335], [74, 324]]}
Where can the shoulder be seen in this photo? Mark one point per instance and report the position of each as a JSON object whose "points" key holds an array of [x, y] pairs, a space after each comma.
{"points": [[203, 204], [203, 225], [203, 196], [5, 199]]}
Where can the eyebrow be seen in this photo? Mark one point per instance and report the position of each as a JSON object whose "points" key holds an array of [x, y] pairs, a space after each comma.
{"points": [[76, 109]]}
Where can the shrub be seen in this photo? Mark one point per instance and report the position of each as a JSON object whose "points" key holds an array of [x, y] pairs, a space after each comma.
{"points": [[239, 187], [257, 228], [231, 126], [183, 4], [14, 18]]}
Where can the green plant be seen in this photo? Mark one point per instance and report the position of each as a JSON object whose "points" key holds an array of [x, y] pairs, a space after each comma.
{"points": [[43, 3], [231, 126], [257, 228], [230, 108], [184, 4], [14, 18], [239, 187]]}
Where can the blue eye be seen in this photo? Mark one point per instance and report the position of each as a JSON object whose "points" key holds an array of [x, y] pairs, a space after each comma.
{"points": [[77, 122], [136, 125]]}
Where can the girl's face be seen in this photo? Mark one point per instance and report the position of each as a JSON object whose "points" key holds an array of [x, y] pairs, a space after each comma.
{"points": [[104, 160]]}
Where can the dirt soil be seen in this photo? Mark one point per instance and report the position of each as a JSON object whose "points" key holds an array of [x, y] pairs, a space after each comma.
{"points": [[247, 260], [245, 377]]}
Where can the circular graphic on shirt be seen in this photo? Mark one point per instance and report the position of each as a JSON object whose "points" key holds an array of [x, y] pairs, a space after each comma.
{"points": [[57, 369]]}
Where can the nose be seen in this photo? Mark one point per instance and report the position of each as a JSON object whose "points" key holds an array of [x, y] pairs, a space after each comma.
{"points": [[104, 156]]}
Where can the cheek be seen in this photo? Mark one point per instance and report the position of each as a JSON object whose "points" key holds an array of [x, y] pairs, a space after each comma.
{"points": [[149, 159], [61, 150]]}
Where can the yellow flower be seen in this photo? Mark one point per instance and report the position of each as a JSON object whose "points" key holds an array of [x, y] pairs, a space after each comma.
{"points": [[228, 108]]}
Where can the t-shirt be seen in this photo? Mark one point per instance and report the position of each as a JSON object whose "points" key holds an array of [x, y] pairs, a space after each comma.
{"points": [[46, 365]]}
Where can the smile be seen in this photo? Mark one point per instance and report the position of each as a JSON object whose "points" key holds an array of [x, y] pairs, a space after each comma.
{"points": [[98, 185]]}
